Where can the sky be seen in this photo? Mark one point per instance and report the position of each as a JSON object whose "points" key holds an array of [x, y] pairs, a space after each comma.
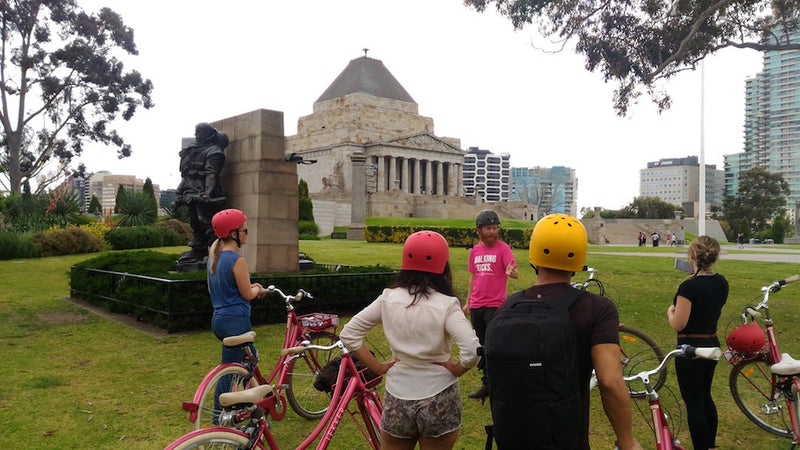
{"points": [[479, 79]]}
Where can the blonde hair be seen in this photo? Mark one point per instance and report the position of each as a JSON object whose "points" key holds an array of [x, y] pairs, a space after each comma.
{"points": [[705, 251], [213, 255]]}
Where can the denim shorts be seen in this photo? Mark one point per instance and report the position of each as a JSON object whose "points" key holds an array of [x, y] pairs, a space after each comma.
{"points": [[430, 417]]}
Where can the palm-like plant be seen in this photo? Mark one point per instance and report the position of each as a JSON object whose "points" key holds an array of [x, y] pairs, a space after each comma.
{"points": [[136, 208]]}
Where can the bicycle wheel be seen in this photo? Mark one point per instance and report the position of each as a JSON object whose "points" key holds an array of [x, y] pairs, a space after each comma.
{"points": [[212, 439], [753, 389], [227, 379], [303, 397], [639, 352]]}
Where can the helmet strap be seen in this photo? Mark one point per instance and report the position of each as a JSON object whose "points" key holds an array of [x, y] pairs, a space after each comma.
{"points": [[236, 239]]}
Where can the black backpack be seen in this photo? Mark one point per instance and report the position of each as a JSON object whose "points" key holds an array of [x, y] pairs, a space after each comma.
{"points": [[532, 373]]}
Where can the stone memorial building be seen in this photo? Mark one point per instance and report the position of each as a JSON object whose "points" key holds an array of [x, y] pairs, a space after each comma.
{"points": [[375, 154]]}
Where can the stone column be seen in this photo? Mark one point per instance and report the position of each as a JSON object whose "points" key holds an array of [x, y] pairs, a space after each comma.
{"points": [[457, 179], [404, 176], [380, 181], [439, 178], [428, 177], [358, 197], [417, 180], [389, 172], [259, 181]]}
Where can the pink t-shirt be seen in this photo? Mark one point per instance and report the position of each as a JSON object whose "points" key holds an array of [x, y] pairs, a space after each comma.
{"points": [[488, 268]]}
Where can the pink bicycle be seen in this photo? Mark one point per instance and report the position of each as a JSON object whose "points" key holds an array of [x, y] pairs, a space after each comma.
{"points": [[764, 382], [245, 411], [665, 439], [292, 377]]}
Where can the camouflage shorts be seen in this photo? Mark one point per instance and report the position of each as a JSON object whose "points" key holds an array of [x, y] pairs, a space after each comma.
{"points": [[430, 417]]}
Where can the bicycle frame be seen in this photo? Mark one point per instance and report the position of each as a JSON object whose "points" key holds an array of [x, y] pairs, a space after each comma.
{"points": [[255, 432], [787, 384], [665, 440], [295, 334], [349, 385]]}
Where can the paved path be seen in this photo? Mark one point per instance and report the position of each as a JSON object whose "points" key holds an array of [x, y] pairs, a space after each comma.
{"points": [[749, 253]]}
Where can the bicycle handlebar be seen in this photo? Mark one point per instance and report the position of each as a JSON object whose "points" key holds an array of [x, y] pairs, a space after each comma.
{"points": [[689, 351], [287, 298], [306, 345], [775, 286]]}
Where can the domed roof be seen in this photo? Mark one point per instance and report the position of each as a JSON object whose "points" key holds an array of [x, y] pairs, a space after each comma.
{"points": [[367, 76]]}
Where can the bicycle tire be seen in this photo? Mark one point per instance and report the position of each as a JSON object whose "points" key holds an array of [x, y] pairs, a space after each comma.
{"points": [[240, 379], [752, 386], [213, 439], [638, 348], [303, 397]]}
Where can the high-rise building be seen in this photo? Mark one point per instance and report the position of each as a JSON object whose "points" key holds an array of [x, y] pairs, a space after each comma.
{"points": [[486, 175], [677, 181], [104, 186], [772, 123], [546, 189]]}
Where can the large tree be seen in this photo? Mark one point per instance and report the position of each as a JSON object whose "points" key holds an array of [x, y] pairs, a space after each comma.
{"points": [[61, 84], [637, 43], [761, 197]]}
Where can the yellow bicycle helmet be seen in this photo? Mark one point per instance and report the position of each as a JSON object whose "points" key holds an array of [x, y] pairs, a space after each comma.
{"points": [[558, 241]]}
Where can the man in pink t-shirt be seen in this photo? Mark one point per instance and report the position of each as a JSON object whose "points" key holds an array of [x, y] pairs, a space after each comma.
{"points": [[490, 264]]}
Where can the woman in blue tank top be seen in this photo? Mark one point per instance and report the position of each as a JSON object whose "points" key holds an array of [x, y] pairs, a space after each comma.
{"points": [[229, 280]]}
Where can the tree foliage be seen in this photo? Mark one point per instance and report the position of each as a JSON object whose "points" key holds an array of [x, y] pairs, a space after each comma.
{"points": [[637, 43], [61, 84], [761, 197], [94, 206], [643, 208]]}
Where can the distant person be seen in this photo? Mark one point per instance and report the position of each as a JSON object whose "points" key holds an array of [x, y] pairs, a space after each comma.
{"points": [[420, 314], [694, 314], [642, 239], [655, 237], [740, 239], [490, 263]]}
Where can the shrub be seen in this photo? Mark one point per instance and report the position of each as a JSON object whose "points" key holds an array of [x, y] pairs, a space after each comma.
{"points": [[307, 227], [96, 228], [182, 229], [123, 238], [66, 241], [16, 245], [170, 238]]}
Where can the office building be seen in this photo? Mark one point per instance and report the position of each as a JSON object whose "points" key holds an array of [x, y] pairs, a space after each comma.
{"points": [[677, 181], [486, 175]]}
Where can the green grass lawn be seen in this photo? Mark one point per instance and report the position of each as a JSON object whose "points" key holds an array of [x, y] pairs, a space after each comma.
{"points": [[72, 379]]}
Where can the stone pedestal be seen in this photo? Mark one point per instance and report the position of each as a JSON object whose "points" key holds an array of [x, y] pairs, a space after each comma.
{"points": [[359, 197], [259, 181]]}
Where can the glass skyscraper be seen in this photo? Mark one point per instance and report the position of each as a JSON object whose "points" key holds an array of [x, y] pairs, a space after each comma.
{"points": [[772, 123]]}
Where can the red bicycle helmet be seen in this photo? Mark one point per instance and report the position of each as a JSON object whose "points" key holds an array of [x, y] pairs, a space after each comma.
{"points": [[426, 251], [747, 338], [226, 221]]}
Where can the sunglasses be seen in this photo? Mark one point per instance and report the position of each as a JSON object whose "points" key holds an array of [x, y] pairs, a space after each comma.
{"points": [[244, 230]]}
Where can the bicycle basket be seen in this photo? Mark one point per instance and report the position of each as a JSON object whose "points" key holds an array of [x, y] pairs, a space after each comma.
{"points": [[319, 321]]}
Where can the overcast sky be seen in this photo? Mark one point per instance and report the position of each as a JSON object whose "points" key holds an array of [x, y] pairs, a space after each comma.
{"points": [[479, 80]]}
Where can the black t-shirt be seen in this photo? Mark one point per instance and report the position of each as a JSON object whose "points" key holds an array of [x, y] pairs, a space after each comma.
{"points": [[596, 322], [708, 293]]}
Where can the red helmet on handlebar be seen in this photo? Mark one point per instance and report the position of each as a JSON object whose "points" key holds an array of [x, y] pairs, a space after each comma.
{"points": [[748, 338]]}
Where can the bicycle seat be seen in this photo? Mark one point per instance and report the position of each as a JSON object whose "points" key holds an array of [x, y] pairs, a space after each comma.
{"points": [[786, 366], [250, 396], [233, 341]]}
